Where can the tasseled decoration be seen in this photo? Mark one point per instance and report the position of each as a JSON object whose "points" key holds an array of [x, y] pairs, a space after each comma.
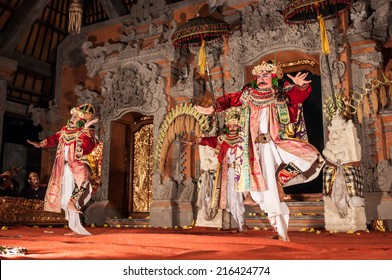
{"points": [[374, 99], [202, 58], [75, 17], [383, 97], [324, 36]]}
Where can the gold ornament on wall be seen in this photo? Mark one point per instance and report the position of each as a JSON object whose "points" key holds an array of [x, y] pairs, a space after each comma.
{"points": [[183, 118], [368, 99], [371, 97]]}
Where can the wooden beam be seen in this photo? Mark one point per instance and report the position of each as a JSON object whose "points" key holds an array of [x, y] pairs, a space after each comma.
{"points": [[33, 64], [20, 24], [114, 8]]}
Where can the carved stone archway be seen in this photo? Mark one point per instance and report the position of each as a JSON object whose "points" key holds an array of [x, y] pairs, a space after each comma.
{"points": [[133, 87]]}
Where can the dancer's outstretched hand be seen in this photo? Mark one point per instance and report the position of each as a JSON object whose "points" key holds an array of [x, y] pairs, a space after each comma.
{"points": [[35, 144], [205, 110], [299, 79], [90, 123]]}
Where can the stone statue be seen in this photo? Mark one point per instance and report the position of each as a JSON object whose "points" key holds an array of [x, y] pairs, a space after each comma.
{"points": [[343, 182]]}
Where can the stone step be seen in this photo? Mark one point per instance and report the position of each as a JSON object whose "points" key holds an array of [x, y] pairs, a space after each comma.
{"points": [[305, 214], [296, 222], [134, 220]]}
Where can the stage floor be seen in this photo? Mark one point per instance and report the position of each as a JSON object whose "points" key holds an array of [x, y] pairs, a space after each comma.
{"points": [[197, 243]]}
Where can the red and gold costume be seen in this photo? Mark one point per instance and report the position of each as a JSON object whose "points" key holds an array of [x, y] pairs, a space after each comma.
{"points": [[223, 194], [264, 162], [81, 142]]}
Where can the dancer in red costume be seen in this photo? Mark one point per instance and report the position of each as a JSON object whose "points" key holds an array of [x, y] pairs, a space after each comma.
{"points": [[69, 187], [265, 163], [223, 194]]}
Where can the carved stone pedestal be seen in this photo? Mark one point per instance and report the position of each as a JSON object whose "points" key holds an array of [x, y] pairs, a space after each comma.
{"points": [[98, 212], [163, 213], [354, 221], [186, 214], [379, 207]]}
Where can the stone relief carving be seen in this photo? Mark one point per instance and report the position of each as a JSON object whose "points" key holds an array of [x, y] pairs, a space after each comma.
{"points": [[128, 35], [166, 191], [371, 19], [131, 50], [134, 84], [155, 29], [187, 85], [95, 57], [88, 96], [384, 178], [145, 10], [358, 15], [188, 192]]}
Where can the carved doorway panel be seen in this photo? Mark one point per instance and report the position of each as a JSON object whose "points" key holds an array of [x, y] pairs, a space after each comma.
{"points": [[142, 140]]}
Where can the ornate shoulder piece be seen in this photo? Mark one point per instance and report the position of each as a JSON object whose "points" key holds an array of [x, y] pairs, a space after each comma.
{"points": [[245, 95]]}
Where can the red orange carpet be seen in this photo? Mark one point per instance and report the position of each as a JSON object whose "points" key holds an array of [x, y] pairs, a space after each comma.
{"points": [[193, 244]]}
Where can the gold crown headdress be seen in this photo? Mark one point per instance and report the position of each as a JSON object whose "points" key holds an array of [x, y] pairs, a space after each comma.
{"points": [[233, 115], [33, 174], [268, 67], [84, 111]]}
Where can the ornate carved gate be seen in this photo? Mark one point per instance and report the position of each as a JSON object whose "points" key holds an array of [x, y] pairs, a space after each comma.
{"points": [[140, 193]]}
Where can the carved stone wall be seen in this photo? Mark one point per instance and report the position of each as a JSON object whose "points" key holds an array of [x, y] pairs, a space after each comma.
{"points": [[370, 28]]}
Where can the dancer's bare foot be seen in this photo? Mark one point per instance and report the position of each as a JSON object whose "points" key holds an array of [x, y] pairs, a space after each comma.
{"points": [[287, 239], [281, 238], [249, 201], [282, 196], [71, 207]]}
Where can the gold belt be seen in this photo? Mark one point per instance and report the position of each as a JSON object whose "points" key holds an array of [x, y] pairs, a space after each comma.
{"points": [[231, 165], [263, 138]]}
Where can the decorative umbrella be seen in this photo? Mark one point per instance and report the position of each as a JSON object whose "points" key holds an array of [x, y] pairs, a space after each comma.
{"points": [[309, 11], [198, 31]]}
